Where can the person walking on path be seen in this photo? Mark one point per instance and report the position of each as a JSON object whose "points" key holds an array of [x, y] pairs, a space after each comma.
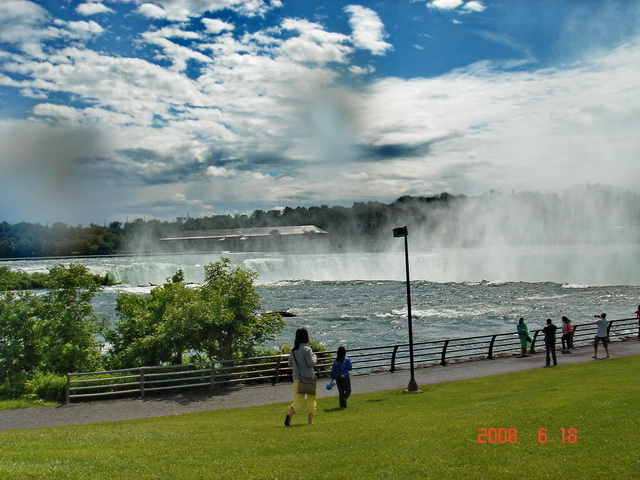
{"points": [[550, 342], [567, 335], [302, 361], [525, 336], [602, 335], [340, 374]]}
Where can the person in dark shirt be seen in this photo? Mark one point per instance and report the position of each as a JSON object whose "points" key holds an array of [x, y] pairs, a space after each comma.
{"points": [[550, 342]]}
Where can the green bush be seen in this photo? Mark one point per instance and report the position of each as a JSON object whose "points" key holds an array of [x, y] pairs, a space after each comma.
{"points": [[47, 386], [12, 386]]}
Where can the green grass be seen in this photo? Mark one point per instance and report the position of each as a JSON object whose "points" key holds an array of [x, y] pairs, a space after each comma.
{"points": [[23, 403], [382, 435]]}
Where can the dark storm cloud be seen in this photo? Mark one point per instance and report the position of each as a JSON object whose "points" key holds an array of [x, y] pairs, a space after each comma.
{"points": [[382, 152]]}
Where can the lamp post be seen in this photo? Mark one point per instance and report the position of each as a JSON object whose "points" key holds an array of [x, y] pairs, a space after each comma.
{"points": [[403, 232]]}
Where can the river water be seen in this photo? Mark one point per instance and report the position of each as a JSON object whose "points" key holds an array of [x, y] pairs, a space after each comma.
{"points": [[359, 300]]}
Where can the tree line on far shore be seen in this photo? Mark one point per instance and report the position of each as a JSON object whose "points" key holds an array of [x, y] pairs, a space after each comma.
{"points": [[24, 240], [591, 212]]}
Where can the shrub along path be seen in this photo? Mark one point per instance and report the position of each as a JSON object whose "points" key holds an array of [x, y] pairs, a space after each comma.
{"points": [[205, 400]]}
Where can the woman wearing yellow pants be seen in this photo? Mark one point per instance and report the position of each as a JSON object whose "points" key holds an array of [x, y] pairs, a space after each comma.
{"points": [[302, 360]]}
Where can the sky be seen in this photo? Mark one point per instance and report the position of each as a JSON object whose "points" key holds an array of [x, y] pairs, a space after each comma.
{"points": [[112, 110]]}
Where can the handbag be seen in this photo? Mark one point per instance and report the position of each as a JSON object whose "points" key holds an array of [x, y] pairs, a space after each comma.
{"points": [[306, 385]]}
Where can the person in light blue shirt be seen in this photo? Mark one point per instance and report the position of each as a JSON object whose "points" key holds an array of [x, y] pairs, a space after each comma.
{"points": [[340, 374]]}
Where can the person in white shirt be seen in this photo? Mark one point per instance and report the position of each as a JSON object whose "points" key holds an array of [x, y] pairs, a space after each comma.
{"points": [[601, 335]]}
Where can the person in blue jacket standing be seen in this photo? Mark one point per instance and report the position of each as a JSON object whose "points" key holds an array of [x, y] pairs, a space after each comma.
{"points": [[340, 374]]}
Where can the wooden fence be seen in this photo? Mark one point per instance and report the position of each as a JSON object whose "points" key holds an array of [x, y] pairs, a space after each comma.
{"points": [[274, 369]]}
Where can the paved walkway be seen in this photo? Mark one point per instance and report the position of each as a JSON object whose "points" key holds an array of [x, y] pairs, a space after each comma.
{"points": [[128, 409]]}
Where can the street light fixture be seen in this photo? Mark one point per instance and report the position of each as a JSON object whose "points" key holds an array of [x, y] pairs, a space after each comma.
{"points": [[403, 232]]}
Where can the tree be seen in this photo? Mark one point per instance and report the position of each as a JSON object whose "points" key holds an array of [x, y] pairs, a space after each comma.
{"points": [[54, 333], [148, 331], [19, 344], [66, 322], [239, 328], [217, 320]]}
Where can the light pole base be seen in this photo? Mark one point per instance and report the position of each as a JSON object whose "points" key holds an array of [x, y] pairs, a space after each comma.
{"points": [[413, 387], [412, 391]]}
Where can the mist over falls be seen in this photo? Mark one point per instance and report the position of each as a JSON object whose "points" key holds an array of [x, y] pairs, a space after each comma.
{"points": [[580, 216], [588, 235], [576, 265]]}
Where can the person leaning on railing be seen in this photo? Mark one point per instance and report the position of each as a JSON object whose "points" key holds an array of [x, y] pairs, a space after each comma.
{"points": [[567, 335], [525, 336]]}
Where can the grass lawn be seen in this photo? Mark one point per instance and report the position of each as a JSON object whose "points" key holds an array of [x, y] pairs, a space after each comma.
{"points": [[382, 435], [22, 403]]}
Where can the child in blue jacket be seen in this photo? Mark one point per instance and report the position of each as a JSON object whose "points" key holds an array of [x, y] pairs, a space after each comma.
{"points": [[340, 374]]}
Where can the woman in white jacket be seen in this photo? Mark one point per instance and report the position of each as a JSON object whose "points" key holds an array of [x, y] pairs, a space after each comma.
{"points": [[302, 360]]}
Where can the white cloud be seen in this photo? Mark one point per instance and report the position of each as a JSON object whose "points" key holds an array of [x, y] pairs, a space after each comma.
{"points": [[542, 131], [314, 44], [183, 10], [21, 21], [172, 32], [368, 30], [445, 4], [359, 176], [356, 70], [179, 55], [220, 172], [469, 131], [25, 24], [474, 6], [93, 8], [84, 29], [467, 7], [154, 11], [216, 26]]}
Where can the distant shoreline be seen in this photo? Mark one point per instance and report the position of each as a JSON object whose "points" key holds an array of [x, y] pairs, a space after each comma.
{"points": [[115, 255]]}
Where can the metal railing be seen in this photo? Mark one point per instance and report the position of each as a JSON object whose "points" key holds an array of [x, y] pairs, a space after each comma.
{"points": [[141, 381]]}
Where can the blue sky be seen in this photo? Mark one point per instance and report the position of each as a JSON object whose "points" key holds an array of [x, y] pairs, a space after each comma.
{"points": [[119, 109]]}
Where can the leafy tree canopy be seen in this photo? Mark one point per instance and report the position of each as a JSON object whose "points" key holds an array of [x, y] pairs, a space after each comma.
{"points": [[219, 319], [56, 332]]}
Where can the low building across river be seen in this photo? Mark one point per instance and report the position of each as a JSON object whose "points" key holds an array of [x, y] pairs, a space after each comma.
{"points": [[264, 239]]}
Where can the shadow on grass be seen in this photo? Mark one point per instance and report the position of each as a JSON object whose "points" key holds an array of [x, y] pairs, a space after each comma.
{"points": [[334, 409]]}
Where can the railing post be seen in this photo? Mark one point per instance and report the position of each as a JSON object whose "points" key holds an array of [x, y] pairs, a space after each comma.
{"points": [[213, 376], [609, 329], [393, 358], [493, 339], [141, 376], [276, 376], [68, 392], [444, 353]]}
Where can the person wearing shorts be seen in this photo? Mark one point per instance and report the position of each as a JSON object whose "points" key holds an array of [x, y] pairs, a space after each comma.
{"points": [[601, 335]]}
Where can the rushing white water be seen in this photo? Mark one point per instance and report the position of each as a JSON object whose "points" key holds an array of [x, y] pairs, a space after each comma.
{"points": [[360, 299]]}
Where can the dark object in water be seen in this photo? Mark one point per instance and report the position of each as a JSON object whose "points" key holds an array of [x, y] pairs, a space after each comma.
{"points": [[286, 314]]}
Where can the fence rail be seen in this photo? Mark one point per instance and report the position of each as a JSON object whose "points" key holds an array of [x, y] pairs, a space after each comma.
{"points": [[144, 380]]}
